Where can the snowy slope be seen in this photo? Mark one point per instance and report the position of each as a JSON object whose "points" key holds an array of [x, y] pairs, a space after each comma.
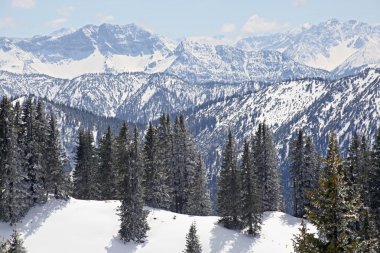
{"points": [[90, 49], [116, 49], [326, 45], [131, 96], [81, 226], [316, 105]]}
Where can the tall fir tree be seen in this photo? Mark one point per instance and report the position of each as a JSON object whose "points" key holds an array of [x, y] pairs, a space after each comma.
{"points": [[193, 244], [122, 147], [251, 196], [13, 197], [133, 217], [297, 167], [84, 175], [156, 192], [266, 162], [57, 182], [107, 174], [199, 202], [335, 207], [184, 164], [374, 182], [229, 186], [165, 157], [304, 172], [33, 154]]}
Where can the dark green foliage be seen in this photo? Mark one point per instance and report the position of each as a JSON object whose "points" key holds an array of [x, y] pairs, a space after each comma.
{"points": [[192, 240], [13, 197], [304, 172], [199, 197], [107, 174], [335, 208], [57, 182], [374, 175], [132, 215], [266, 162], [251, 201], [84, 175], [306, 242], [30, 159], [122, 147], [155, 184], [229, 186]]}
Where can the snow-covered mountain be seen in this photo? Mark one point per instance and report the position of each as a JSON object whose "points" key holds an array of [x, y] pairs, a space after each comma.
{"points": [[341, 47], [117, 49], [199, 63], [130, 96], [316, 105], [90, 49], [92, 226]]}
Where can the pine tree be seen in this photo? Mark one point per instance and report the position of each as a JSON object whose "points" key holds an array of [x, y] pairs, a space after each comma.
{"points": [[199, 202], [132, 215], [33, 154], [13, 199], [57, 182], [192, 240], [106, 172], [357, 167], [374, 175], [251, 206], [84, 175], [184, 164], [335, 207], [266, 162], [16, 243], [304, 172], [40, 136], [297, 167], [165, 157], [306, 242], [122, 147], [229, 187], [156, 191]]}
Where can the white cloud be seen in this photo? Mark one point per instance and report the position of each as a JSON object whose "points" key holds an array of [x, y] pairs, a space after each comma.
{"points": [[105, 18], [57, 23], [299, 3], [23, 3], [257, 24], [7, 22], [65, 11], [227, 28]]}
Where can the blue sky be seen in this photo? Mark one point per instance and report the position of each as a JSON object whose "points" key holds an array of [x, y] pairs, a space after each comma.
{"points": [[179, 18]]}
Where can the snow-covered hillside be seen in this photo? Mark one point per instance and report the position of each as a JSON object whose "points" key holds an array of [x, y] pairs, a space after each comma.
{"points": [[131, 96], [326, 45], [78, 226]]}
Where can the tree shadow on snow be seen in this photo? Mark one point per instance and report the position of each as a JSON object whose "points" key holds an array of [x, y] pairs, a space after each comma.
{"points": [[117, 246], [39, 214], [235, 241]]}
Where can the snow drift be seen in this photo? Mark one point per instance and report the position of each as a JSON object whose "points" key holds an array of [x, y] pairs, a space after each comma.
{"points": [[92, 226]]}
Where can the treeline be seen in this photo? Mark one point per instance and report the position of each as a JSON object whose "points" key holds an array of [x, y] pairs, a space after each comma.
{"points": [[340, 196], [166, 171], [248, 189], [31, 158]]}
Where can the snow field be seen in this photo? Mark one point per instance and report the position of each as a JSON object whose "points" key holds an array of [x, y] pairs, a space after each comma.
{"points": [[79, 226]]}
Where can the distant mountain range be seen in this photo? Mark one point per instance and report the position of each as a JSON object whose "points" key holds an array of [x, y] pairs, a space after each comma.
{"points": [[318, 77], [329, 49]]}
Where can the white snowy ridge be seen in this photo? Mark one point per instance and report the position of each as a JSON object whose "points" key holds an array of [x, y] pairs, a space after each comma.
{"points": [[79, 226]]}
